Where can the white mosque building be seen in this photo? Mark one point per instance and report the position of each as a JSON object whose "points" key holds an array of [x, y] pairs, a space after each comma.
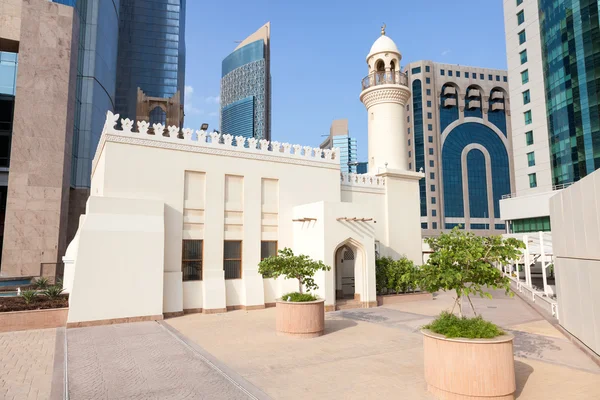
{"points": [[179, 222]]}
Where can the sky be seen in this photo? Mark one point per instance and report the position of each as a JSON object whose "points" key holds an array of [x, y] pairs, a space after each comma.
{"points": [[319, 49]]}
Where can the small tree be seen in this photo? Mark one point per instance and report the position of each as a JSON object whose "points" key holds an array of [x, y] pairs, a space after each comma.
{"points": [[299, 267], [464, 262]]}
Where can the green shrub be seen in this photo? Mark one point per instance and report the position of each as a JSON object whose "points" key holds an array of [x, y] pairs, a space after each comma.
{"points": [[53, 292], [452, 326], [296, 297], [28, 295], [398, 276], [41, 283]]}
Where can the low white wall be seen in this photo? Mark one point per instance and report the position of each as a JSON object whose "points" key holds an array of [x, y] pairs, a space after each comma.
{"points": [[575, 220], [234, 289], [118, 271], [192, 294], [270, 290]]}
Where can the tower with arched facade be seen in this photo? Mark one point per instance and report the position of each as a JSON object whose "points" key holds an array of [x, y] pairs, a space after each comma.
{"points": [[458, 133]]}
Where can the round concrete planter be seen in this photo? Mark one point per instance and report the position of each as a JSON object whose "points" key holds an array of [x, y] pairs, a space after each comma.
{"points": [[302, 319], [457, 369]]}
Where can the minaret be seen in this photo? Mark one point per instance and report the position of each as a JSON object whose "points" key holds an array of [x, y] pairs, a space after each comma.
{"points": [[385, 93]]}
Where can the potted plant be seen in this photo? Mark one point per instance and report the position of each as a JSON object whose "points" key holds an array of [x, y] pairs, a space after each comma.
{"points": [[468, 357], [298, 313]]}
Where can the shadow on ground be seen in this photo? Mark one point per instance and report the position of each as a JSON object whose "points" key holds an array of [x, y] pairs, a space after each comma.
{"points": [[335, 325], [522, 372]]}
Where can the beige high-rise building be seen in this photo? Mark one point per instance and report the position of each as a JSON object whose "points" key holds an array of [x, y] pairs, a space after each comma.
{"points": [[38, 44], [459, 127]]}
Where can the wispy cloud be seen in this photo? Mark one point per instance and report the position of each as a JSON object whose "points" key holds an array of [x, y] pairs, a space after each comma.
{"points": [[213, 99], [190, 103], [446, 52]]}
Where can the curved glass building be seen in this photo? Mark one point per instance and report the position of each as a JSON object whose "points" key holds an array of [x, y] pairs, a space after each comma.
{"points": [[151, 54], [96, 82], [246, 88], [458, 135]]}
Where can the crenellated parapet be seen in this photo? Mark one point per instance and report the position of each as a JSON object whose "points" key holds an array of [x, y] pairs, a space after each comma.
{"points": [[364, 180], [172, 137]]}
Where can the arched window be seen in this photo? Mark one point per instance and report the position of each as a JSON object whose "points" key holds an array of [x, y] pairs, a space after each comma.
{"points": [[158, 116], [380, 66], [393, 65]]}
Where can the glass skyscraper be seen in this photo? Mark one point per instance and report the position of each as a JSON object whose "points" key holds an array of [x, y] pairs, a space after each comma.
{"points": [[570, 33], [96, 81], [151, 52], [339, 138], [347, 146], [246, 88]]}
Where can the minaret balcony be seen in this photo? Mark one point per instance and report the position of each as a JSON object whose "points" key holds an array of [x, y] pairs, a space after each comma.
{"points": [[385, 78]]}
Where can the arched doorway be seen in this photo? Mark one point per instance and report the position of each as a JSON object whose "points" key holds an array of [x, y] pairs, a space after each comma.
{"points": [[345, 282]]}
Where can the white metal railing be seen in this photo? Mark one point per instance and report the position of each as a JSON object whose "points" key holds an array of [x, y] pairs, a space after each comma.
{"points": [[554, 187], [535, 251]]}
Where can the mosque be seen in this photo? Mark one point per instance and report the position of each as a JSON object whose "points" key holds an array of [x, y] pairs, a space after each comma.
{"points": [[178, 222]]}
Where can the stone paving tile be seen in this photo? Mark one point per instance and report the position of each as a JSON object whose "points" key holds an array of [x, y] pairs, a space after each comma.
{"points": [[140, 361], [26, 364], [378, 352]]}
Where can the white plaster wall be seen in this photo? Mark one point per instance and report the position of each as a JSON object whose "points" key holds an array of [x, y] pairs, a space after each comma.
{"points": [[164, 181], [320, 241], [235, 291], [97, 183], [118, 271], [271, 291], [403, 223], [387, 140], [575, 220], [192, 294], [172, 291]]}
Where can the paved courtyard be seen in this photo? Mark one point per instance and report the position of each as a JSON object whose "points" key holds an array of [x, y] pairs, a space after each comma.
{"points": [[377, 353], [146, 360], [27, 364], [365, 353]]}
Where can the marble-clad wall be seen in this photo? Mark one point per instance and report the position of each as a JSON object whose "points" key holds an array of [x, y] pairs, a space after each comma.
{"points": [[10, 24], [38, 186]]}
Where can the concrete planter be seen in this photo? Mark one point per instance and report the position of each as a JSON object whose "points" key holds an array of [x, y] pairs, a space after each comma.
{"points": [[386, 299], [33, 319], [301, 319], [457, 369]]}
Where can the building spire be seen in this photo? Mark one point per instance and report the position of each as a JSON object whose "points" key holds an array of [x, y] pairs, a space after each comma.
{"points": [[383, 30]]}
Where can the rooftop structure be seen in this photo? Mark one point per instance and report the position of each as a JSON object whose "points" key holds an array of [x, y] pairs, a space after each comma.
{"points": [[192, 229]]}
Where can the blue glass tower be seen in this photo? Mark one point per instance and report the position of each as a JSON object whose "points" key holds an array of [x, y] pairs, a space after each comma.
{"points": [[96, 81], [151, 53], [570, 33], [246, 88]]}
